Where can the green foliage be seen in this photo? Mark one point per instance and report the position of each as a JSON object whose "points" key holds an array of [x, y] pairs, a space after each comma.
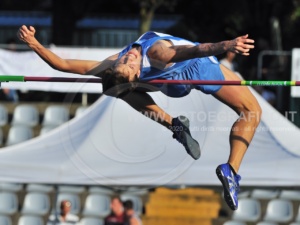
{"points": [[296, 14]]}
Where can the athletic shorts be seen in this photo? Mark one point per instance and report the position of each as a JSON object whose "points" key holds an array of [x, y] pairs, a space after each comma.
{"points": [[207, 68]]}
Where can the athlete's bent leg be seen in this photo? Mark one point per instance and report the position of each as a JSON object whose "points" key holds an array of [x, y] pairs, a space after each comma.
{"points": [[242, 101], [143, 103]]}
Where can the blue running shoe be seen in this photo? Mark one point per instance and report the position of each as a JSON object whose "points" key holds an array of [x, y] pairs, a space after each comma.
{"points": [[230, 184], [180, 128]]}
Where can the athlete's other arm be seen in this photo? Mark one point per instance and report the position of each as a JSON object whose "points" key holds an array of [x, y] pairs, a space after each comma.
{"points": [[166, 53], [89, 67]]}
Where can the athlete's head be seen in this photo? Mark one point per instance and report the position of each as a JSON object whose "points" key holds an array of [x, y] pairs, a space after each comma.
{"points": [[126, 70], [129, 65]]}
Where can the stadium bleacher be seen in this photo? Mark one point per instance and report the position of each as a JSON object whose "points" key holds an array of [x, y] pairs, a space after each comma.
{"points": [[23, 121], [34, 203]]}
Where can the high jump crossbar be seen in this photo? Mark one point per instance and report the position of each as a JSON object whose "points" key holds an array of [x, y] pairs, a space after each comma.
{"points": [[18, 78]]}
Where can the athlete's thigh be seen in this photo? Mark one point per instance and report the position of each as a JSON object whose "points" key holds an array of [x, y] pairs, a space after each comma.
{"points": [[236, 97]]}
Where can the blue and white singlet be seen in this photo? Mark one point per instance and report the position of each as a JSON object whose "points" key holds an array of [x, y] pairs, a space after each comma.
{"points": [[205, 68]]}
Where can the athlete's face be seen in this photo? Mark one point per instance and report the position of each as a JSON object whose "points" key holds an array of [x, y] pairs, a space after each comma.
{"points": [[129, 64]]}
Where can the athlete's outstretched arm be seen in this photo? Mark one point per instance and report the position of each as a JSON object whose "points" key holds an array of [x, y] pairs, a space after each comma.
{"points": [[166, 53], [89, 67]]}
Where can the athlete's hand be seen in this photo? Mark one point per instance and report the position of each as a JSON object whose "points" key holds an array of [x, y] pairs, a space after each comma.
{"points": [[241, 45], [26, 35]]}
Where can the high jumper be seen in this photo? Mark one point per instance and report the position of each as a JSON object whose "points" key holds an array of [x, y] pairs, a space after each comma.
{"points": [[157, 56]]}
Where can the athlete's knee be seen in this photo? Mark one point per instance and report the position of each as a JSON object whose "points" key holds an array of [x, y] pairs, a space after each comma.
{"points": [[251, 112], [257, 111]]}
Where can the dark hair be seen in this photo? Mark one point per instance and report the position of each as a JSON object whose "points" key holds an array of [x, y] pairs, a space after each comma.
{"points": [[128, 204], [117, 197], [114, 84]]}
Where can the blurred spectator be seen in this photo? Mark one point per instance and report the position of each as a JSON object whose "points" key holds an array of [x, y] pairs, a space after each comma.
{"points": [[132, 217], [229, 62], [64, 217], [117, 215], [10, 94]]}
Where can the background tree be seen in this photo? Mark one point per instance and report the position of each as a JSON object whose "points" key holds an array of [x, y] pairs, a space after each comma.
{"points": [[147, 11]]}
